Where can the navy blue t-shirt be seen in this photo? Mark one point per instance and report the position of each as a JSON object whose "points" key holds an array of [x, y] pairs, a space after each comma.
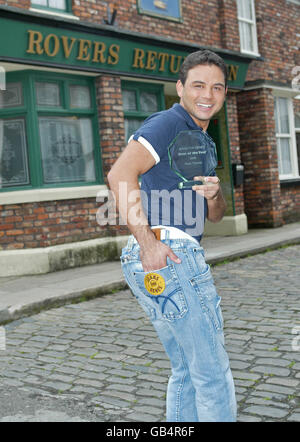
{"points": [[163, 202]]}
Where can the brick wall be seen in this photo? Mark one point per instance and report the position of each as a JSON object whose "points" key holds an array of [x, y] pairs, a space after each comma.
{"points": [[290, 196], [278, 40], [263, 201], [112, 132], [233, 128], [48, 223], [207, 23], [25, 4], [110, 118], [229, 31], [267, 201], [250, 118], [199, 26], [211, 23]]}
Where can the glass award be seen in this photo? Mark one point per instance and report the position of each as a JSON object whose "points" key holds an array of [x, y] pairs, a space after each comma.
{"points": [[192, 153]]}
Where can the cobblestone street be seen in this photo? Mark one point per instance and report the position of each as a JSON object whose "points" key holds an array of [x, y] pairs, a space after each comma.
{"points": [[101, 360]]}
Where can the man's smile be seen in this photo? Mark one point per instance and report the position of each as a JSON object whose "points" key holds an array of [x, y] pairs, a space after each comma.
{"points": [[204, 105]]}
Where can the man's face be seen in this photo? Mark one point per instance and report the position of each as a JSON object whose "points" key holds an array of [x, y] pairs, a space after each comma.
{"points": [[203, 93]]}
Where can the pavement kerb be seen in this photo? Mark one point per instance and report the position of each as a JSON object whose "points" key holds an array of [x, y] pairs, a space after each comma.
{"points": [[60, 257], [16, 312], [231, 256], [19, 311]]}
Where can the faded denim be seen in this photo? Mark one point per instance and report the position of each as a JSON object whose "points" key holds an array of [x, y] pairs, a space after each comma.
{"points": [[188, 319]]}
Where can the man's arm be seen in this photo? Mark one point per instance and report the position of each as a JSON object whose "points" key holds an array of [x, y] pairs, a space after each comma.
{"points": [[123, 181], [212, 191]]}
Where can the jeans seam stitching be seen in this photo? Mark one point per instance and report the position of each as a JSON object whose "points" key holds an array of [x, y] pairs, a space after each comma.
{"points": [[181, 385]]}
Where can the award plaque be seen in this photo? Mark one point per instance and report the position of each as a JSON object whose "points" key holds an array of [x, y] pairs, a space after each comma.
{"points": [[192, 153]]}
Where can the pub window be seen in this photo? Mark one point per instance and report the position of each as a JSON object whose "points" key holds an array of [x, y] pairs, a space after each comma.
{"points": [[48, 132], [53, 5], [247, 26], [286, 148], [140, 100]]}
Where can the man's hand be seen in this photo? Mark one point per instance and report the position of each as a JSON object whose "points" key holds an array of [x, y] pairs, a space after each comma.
{"points": [[210, 189], [154, 256]]}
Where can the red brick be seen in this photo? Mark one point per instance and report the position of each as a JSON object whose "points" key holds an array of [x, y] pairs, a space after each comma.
{"points": [[6, 226], [14, 232]]}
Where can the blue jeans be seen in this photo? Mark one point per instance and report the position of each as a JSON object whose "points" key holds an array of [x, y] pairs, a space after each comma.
{"points": [[188, 320]]}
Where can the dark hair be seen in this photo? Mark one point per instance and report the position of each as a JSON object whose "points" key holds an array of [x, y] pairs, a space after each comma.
{"points": [[204, 56]]}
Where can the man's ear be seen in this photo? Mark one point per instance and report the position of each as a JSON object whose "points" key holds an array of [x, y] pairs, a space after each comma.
{"points": [[179, 88]]}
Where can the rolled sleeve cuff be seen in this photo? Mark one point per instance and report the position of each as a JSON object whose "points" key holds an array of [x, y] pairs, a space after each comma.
{"points": [[148, 146]]}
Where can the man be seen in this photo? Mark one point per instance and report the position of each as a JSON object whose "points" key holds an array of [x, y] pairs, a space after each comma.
{"points": [[163, 262]]}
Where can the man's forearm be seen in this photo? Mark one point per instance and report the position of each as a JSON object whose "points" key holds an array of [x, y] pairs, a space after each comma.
{"points": [[128, 201]]}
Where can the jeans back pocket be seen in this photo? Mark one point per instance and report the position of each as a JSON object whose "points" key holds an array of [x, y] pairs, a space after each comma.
{"points": [[163, 289]]}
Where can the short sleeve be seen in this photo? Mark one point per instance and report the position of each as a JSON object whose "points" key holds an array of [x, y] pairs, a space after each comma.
{"points": [[156, 134]]}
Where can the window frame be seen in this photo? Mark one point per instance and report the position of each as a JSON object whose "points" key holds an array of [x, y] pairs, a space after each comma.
{"points": [[297, 131], [292, 139], [253, 29], [67, 10], [138, 87], [31, 111]]}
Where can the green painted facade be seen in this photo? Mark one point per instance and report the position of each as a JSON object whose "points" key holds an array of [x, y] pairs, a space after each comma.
{"points": [[31, 39], [82, 49]]}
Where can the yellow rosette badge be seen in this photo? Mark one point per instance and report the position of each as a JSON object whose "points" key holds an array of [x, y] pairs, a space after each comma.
{"points": [[154, 283]]}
